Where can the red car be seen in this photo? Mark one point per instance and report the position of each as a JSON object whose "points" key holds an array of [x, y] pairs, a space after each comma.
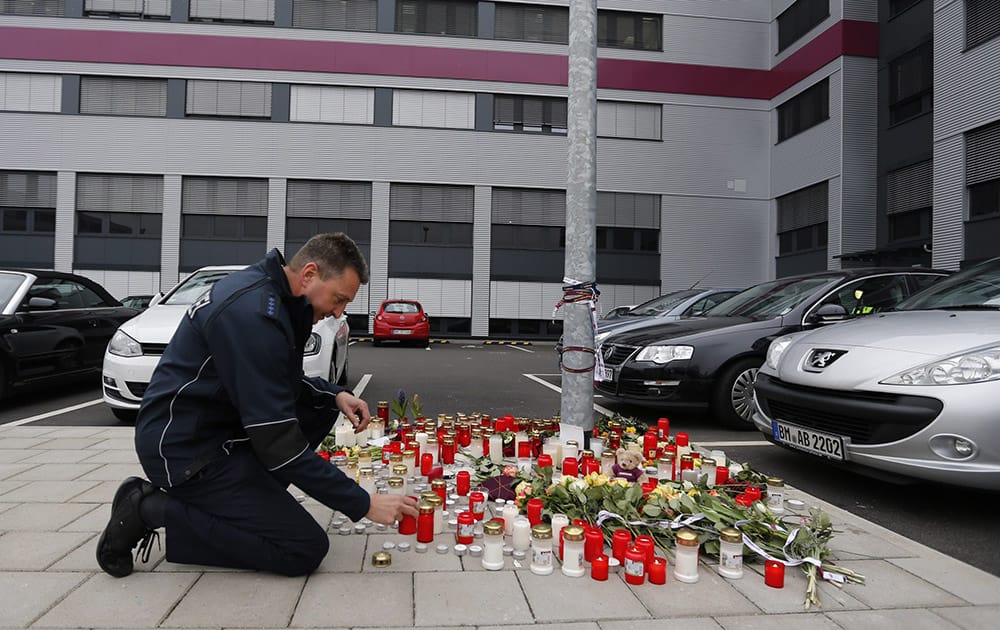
{"points": [[404, 320]]}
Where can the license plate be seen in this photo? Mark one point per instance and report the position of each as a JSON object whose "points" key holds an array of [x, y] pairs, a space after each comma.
{"points": [[609, 375], [402, 332], [815, 442]]}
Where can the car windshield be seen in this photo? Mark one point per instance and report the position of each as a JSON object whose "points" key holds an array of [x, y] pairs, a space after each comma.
{"points": [[977, 287], [194, 286], [401, 307], [662, 304], [771, 299], [9, 282]]}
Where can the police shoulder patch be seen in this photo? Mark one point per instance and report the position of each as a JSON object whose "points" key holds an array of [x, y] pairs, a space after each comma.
{"points": [[271, 305]]}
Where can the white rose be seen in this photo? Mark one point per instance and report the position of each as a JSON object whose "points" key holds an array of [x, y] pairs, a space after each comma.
{"points": [[578, 485]]}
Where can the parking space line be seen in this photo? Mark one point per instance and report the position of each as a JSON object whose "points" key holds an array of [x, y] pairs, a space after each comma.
{"points": [[358, 390], [50, 414], [555, 388], [522, 349]]}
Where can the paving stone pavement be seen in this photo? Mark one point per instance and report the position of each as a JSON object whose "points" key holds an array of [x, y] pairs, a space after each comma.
{"points": [[56, 485]]}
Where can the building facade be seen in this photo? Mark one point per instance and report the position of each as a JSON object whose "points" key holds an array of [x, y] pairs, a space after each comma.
{"points": [[737, 141]]}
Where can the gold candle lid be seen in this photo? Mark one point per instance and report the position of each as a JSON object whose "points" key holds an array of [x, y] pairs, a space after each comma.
{"points": [[400, 470], [541, 531], [573, 532], [731, 535], [395, 458], [493, 528], [586, 453], [439, 483], [435, 500], [777, 482], [424, 496], [381, 559], [383, 403], [396, 482], [366, 471], [608, 455], [687, 538], [426, 508], [572, 443]]}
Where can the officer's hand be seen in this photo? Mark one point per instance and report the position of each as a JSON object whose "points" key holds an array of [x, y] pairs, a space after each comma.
{"points": [[389, 508], [354, 409]]}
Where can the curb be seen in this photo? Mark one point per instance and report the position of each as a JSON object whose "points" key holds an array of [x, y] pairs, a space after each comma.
{"points": [[490, 342]]}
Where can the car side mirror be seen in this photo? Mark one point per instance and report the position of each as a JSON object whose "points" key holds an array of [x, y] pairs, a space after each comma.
{"points": [[828, 314], [156, 299], [41, 303]]}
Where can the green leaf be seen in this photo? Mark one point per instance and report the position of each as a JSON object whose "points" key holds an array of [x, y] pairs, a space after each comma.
{"points": [[688, 503], [652, 511], [634, 493]]}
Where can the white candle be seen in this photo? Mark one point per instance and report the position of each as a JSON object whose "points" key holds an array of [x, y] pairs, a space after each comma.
{"points": [[570, 449], [496, 448], [476, 447], [344, 435], [719, 457], [421, 438], [509, 514], [376, 429], [597, 445], [558, 522], [521, 533]]}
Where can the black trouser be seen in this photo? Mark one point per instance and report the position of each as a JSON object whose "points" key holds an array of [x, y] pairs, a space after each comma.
{"points": [[234, 513]]}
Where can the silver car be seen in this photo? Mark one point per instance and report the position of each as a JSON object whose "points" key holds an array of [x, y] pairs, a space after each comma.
{"points": [[912, 393]]}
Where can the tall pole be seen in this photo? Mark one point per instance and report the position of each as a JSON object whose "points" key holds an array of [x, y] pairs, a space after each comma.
{"points": [[577, 409]]}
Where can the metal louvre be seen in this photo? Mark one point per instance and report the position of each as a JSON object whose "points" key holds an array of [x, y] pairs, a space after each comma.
{"points": [[982, 146], [119, 193], [325, 199], [910, 188], [346, 15], [629, 120], [228, 98], [526, 22], [30, 92], [49, 8], [982, 21], [27, 189], [431, 202], [123, 96], [526, 206], [233, 10], [222, 195], [621, 209], [804, 207], [158, 8]]}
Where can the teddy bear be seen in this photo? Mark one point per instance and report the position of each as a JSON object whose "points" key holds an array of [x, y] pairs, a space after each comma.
{"points": [[629, 466]]}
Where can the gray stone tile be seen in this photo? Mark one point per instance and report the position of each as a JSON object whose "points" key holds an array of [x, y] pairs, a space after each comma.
{"points": [[33, 430], [347, 555], [410, 560], [142, 599], [321, 513], [7, 486], [968, 618], [11, 455], [449, 599], [547, 595], [83, 558], [49, 491], [12, 470], [114, 456], [711, 595], [7, 506], [115, 444], [263, 601], [888, 586], [909, 618], [54, 472], [34, 551], [57, 456], [175, 567], [852, 542], [100, 492], [686, 623], [19, 443], [93, 521], [112, 472], [378, 601], [63, 442], [24, 596], [789, 599], [73, 432], [42, 517], [583, 625], [969, 583], [813, 621]]}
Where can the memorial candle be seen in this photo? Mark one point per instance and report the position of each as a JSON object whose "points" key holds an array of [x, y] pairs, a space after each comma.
{"points": [[620, 542], [658, 571], [774, 573], [599, 568], [535, 511]]}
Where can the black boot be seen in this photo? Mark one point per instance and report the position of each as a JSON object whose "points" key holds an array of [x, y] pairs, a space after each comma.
{"points": [[126, 529]]}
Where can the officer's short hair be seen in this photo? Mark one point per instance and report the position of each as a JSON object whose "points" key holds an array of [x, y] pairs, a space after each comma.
{"points": [[332, 252]]}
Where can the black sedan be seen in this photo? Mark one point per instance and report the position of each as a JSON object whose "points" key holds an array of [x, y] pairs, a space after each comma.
{"points": [[53, 324], [711, 361]]}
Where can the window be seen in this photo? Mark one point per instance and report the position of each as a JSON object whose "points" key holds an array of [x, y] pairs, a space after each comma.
{"points": [[629, 120], [331, 104], [982, 21], [799, 19], [912, 225], [898, 6], [228, 98], [911, 84], [802, 219], [982, 170], [342, 15], [424, 108], [437, 17], [66, 293], [870, 295], [123, 96], [532, 23], [538, 237], [128, 224], [259, 11], [223, 227], [431, 202], [430, 233], [804, 111], [143, 9], [24, 92], [535, 114], [624, 239], [639, 31], [49, 8], [301, 229], [984, 199]]}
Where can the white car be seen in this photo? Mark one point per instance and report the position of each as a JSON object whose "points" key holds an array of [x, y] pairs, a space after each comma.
{"points": [[138, 344]]}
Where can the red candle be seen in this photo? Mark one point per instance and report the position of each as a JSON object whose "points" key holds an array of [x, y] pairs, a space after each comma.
{"points": [[681, 439], [663, 429], [649, 445], [477, 504], [774, 573], [620, 541], [658, 571], [648, 547], [404, 431], [408, 524], [426, 463], [544, 460], [593, 544], [534, 511], [524, 450], [440, 486], [752, 493], [425, 524], [415, 447], [570, 467], [464, 533], [635, 565], [581, 523], [436, 473], [721, 475], [599, 568], [591, 466], [462, 482]]}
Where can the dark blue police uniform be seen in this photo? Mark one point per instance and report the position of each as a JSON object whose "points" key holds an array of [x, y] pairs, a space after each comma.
{"points": [[229, 421]]}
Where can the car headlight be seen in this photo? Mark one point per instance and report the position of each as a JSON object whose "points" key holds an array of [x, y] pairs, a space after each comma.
{"points": [[776, 349], [975, 366], [124, 346], [313, 345], [665, 354]]}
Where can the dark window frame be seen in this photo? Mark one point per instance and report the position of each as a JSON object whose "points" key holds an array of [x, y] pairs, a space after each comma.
{"points": [[898, 7], [515, 236], [979, 196], [608, 21], [106, 231], [920, 101], [319, 225], [911, 225], [805, 110], [242, 234], [808, 238], [993, 20], [517, 124], [552, 18], [454, 233], [30, 221], [800, 18], [451, 7]]}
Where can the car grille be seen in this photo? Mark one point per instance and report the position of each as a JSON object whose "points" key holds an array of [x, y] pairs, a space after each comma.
{"points": [[619, 354], [865, 417], [137, 389], [153, 349]]}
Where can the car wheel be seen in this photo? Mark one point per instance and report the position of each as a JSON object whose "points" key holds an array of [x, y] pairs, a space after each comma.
{"points": [[733, 403], [125, 415], [376, 342], [425, 343]]}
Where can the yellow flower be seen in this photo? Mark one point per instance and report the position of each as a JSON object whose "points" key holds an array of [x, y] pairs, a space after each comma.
{"points": [[693, 492], [630, 430], [622, 482]]}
